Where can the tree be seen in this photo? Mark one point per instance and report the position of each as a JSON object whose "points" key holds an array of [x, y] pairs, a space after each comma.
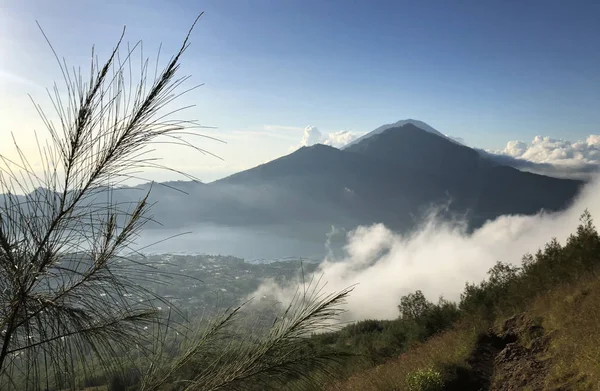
{"points": [[414, 305], [68, 288], [71, 297]]}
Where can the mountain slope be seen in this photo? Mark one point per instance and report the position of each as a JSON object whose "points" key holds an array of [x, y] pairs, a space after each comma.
{"points": [[474, 182], [419, 124], [524, 328], [394, 177]]}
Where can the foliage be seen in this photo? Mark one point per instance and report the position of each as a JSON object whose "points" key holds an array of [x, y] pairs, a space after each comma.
{"points": [[222, 357], [558, 284], [75, 307], [413, 306], [374, 342], [509, 287], [570, 313], [74, 310], [443, 350], [68, 288], [425, 380]]}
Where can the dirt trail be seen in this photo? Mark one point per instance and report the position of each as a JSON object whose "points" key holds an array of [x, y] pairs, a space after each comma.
{"points": [[508, 360]]}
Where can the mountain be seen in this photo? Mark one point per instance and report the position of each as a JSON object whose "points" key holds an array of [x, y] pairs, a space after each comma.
{"points": [[419, 124], [394, 176], [476, 184]]}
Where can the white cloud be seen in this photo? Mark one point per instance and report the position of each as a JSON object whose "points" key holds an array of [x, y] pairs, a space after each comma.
{"points": [[555, 151], [438, 259], [553, 157], [311, 136], [340, 138]]}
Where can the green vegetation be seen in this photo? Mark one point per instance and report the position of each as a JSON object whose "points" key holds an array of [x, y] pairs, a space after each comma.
{"points": [[425, 380], [542, 315], [373, 342], [79, 308]]}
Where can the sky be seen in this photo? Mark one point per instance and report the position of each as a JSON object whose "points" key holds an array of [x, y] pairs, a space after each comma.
{"points": [[279, 74]]}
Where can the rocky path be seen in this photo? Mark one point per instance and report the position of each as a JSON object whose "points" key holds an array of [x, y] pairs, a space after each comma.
{"points": [[509, 360]]}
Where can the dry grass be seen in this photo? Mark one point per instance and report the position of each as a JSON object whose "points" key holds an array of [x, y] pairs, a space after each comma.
{"points": [[571, 316], [446, 350], [571, 319], [565, 356]]}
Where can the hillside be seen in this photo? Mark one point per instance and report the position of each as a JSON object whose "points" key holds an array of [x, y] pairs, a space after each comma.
{"points": [[532, 327]]}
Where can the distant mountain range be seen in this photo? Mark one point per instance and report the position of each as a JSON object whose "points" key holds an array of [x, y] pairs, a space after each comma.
{"points": [[393, 175]]}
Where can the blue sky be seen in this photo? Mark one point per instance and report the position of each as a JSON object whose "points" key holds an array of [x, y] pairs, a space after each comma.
{"points": [[487, 72]]}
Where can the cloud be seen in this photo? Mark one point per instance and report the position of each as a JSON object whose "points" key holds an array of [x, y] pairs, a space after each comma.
{"points": [[556, 151], [311, 136], [439, 258], [556, 157], [340, 138]]}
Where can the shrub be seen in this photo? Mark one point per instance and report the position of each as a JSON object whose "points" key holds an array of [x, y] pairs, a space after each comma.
{"points": [[425, 380], [74, 300]]}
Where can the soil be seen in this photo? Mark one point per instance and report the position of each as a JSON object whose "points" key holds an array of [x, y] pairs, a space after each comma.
{"points": [[507, 360]]}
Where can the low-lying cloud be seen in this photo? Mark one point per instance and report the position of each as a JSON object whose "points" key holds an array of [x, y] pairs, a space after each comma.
{"points": [[576, 159], [555, 151], [439, 258], [340, 138]]}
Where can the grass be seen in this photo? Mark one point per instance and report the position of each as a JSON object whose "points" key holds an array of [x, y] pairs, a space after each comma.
{"points": [[571, 316], [550, 307], [449, 349]]}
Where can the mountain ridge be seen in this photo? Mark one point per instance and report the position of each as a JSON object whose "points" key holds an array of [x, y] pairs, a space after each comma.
{"points": [[398, 124], [393, 177]]}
